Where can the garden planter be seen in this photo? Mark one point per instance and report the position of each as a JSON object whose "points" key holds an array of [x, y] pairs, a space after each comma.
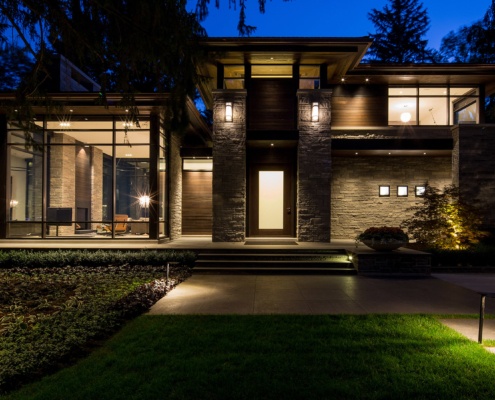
{"points": [[383, 245]]}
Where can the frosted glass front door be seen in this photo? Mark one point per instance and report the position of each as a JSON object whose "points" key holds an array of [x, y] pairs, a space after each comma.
{"points": [[271, 199]]}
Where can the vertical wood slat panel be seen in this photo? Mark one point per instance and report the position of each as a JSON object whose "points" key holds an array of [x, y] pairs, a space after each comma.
{"points": [[197, 202]]}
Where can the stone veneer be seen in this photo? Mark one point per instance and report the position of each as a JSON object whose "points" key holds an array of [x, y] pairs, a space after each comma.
{"points": [[355, 180], [473, 167], [62, 178], [175, 193], [314, 167], [229, 166]]}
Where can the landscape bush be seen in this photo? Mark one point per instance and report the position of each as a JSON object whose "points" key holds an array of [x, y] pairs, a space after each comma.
{"points": [[55, 305]]}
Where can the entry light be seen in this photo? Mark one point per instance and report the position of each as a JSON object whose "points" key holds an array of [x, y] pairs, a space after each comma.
{"points": [[228, 111], [315, 112]]}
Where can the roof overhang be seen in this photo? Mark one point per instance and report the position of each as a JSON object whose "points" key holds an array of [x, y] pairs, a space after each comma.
{"points": [[339, 54]]}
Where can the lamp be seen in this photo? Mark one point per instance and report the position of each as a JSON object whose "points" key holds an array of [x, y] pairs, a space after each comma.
{"points": [[315, 112], [405, 117], [228, 111], [13, 203], [144, 201]]}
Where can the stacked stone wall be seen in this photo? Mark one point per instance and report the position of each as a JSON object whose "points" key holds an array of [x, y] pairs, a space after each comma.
{"points": [[355, 181]]}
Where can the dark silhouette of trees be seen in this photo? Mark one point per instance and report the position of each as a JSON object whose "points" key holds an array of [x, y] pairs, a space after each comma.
{"points": [[400, 31]]}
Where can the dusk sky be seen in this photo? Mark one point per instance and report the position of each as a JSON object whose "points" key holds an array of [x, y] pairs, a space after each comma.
{"points": [[335, 18]]}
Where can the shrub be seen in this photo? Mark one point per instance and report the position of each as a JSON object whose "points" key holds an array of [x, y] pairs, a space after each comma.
{"points": [[383, 234], [444, 221]]}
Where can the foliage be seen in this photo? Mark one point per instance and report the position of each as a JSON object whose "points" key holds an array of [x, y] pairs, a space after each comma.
{"points": [[126, 46], [384, 234], [444, 220], [472, 43], [63, 258], [400, 30], [278, 357], [49, 316], [242, 27]]}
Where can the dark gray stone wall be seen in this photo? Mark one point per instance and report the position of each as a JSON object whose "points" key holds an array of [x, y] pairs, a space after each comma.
{"points": [[473, 167], [356, 205], [229, 167], [314, 167]]}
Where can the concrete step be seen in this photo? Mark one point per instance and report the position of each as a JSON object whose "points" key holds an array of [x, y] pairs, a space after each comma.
{"points": [[274, 261]]}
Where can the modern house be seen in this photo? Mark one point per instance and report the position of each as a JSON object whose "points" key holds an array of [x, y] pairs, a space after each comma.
{"points": [[307, 142]]}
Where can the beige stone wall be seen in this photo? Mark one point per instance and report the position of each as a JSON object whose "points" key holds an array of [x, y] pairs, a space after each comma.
{"points": [[62, 177], [96, 187], [175, 168], [355, 203]]}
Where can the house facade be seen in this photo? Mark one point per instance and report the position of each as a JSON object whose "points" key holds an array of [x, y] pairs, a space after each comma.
{"points": [[307, 142]]}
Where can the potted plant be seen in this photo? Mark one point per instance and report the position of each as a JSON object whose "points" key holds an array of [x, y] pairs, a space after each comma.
{"points": [[385, 238]]}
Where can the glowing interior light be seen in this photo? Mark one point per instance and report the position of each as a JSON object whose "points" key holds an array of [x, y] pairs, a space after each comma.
{"points": [[405, 117]]}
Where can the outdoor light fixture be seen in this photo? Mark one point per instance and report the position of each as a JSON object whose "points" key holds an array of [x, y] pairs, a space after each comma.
{"points": [[384, 191], [228, 111], [315, 112]]}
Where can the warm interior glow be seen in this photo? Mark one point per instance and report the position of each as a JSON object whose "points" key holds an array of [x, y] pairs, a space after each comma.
{"points": [[271, 199], [197, 165], [405, 117], [228, 111], [314, 112], [144, 201]]}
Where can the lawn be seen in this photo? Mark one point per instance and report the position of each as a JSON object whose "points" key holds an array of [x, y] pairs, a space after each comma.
{"points": [[277, 357]]}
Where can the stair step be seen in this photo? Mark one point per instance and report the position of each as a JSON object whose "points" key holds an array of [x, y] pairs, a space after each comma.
{"points": [[266, 270]]}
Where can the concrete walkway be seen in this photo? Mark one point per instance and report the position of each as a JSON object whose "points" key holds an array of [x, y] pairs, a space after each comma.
{"points": [[323, 294]]}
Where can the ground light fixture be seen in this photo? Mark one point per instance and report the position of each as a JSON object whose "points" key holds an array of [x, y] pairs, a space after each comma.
{"points": [[228, 111], [315, 112]]}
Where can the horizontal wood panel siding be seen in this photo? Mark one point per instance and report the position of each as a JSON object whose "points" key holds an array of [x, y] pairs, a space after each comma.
{"points": [[272, 104], [196, 203], [359, 106]]}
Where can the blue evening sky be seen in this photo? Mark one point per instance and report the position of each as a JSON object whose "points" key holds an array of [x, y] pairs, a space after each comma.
{"points": [[334, 18]]}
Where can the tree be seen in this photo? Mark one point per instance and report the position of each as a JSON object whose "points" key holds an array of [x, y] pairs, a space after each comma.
{"points": [[243, 29], [400, 30], [127, 46], [472, 43], [444, 221]]}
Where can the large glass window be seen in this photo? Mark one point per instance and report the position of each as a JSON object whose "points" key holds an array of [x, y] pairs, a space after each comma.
{"points": [[80, 177], [436, 105], [233, 76], [309, 77]]}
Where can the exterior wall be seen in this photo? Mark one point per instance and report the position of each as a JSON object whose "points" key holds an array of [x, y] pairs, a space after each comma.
{"points": [[97, 187], [62, 178], [314, 168], [229, 166], [175, 180], [473, 167], [355, 180]]}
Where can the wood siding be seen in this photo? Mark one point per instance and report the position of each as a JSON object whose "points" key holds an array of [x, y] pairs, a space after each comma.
{"points": [[272, 104], [359, 106], [197, 203]]}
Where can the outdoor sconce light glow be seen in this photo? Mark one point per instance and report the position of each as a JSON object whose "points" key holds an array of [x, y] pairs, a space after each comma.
{"points": [[405, 117], [228, 111], [314, 112]]}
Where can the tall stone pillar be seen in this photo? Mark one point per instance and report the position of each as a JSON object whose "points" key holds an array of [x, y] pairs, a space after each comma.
{"points": [[175, 189], [473, 167], [314, 166], [229, 167]]}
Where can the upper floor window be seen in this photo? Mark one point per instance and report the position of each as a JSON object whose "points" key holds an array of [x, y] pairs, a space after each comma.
{"points": [[435, 105], [233, 77], [309, 77], [271, 71]]}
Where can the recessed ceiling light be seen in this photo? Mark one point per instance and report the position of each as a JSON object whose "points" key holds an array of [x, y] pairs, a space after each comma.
{"points": [[128, 154], [271, 144]]}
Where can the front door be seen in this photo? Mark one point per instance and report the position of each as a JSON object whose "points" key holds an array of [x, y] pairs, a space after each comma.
{"points": [[271, 204]]}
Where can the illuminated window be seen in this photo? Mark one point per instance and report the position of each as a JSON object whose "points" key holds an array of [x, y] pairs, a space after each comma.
{"points": [[402, 191], [419, 191]]}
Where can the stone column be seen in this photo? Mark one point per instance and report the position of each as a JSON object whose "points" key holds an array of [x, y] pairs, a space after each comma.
{"points": [[62, 177], [314, 167], [473, 167], [229, 167], [175, 197], [96, 187]]}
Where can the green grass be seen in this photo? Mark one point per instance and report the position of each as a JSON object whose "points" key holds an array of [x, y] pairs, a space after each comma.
{"points": [[278, 357]]}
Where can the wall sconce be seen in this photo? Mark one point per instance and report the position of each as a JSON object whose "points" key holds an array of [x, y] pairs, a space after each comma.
{"points": [[228, 111], [315, 112]]}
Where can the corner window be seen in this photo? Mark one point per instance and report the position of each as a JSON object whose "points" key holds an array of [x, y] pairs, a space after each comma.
{"points": [[436, 105], [233, 77], [309, 77]]}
